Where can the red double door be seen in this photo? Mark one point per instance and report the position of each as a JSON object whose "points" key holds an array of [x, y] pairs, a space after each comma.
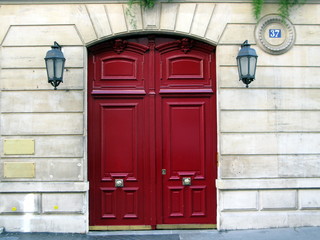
{"points": [[152, 132]]}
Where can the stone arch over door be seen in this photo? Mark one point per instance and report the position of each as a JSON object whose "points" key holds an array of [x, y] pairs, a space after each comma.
{"points": [[203, 21]]}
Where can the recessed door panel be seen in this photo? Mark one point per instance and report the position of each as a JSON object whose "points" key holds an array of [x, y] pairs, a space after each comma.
{"points": [[184, 137], [116, 68], [185, 67], [175, 208], [108, 196], [198, 201], [120, 139], [131, 198]]}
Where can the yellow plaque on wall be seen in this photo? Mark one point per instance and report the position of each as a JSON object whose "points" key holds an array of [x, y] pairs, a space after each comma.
{"points": [[18, 146], [19, 169]]}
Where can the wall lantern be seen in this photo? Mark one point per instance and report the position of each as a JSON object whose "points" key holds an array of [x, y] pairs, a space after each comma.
{"points": [[55, 65], [247, 63]]}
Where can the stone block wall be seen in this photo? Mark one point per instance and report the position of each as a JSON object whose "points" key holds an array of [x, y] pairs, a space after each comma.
{"points": [[30, 206], [269, 138], [269, 208], [55, 198]]}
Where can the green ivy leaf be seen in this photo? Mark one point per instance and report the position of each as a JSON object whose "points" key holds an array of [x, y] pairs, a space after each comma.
{"points": [[257, 8], [285, 7], [143, 3]]}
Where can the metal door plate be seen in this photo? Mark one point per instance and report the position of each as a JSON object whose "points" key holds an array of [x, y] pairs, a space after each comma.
{"points": [[118, 183], [186, 181]]}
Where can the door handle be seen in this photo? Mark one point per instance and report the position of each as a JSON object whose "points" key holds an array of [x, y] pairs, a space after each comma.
{"points": [[186, 181], [118, 183]]}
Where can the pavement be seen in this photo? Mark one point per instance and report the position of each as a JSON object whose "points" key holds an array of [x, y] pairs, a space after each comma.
{"points": [[302, 233]]}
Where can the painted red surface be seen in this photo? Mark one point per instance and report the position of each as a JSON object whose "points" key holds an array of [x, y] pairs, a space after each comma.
{"points": [[152, 106]]}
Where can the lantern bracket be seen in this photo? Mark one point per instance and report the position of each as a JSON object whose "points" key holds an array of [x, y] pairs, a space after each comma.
{"points": [[56, 45]]}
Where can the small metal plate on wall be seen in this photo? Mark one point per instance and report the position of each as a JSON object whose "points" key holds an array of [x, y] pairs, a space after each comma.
{"points": [[118, 183], [18, 147], [19, 169], [186, 181]]}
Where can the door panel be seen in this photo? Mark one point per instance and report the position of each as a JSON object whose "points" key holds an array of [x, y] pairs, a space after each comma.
{"points": [[183, 123], [198, 201], [151, 132], [120, 151], [187, 154], [118, 65], [176, 201], [120, 130], [185, 68]]}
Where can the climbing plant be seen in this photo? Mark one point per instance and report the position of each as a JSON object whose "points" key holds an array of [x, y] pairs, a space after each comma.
{"points": [[143, 3], [284, 7]]}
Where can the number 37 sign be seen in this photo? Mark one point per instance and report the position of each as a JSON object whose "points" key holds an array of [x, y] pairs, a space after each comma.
{"points": [[274, 33]]}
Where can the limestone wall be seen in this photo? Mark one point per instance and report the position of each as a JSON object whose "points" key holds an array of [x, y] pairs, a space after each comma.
{"points": [[269, 141]]}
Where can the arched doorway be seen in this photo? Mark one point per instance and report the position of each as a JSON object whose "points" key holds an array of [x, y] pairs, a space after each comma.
{"points": [[152, 133]]}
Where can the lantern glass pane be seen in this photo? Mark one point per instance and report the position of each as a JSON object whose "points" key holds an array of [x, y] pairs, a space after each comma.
{"points": [[239, 67], [59, 68], [244, 66], [253, 62], [50, 68]]}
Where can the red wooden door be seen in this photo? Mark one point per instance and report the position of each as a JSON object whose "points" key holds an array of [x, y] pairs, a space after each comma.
{"points": [[152, 132]]}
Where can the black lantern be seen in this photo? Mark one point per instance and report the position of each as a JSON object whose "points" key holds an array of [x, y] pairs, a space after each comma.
{"points": [[55, 65], [247, 63]]}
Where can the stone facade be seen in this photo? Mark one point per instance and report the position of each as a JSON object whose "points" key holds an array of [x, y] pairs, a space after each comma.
{"points": [[268, 134]]}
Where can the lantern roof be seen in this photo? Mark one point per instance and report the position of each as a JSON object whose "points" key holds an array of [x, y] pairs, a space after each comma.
{"points": [[246, 50]]}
